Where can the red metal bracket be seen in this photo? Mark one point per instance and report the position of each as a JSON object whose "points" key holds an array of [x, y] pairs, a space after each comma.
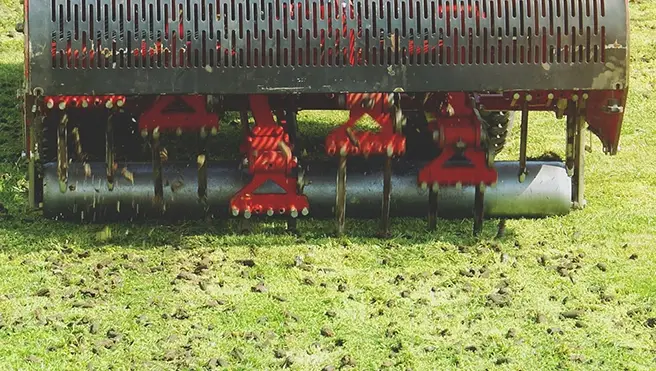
{"points": [[249, 202], [169, 112], [463, 160], [347, 141], [270, 160]]}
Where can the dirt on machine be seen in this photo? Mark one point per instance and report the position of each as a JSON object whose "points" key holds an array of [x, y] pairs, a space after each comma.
{"points": [[111, 86]]}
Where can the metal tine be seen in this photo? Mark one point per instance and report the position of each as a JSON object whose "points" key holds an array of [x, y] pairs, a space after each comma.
{"points": [[387, 171], [201, 161], [523, 142], [110, 155], [432, 209], [75, 133], [157, 168], [578, 179], [571, 140], [291, 126], [387, 195], [340, 202], [479, 207], [62, 152]]}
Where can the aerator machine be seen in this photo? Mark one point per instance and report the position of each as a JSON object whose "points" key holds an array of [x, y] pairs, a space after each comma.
{"points": [[188, 108]]}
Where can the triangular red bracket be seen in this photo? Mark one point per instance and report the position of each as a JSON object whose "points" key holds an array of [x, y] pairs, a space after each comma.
{"points": [[438, 171], [163, 115]]}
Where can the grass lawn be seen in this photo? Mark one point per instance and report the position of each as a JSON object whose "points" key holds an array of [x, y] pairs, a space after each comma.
{"points": [[573, 292]]}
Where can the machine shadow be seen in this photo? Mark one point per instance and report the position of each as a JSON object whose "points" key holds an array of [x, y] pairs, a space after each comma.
{"points": [[32, 232]]}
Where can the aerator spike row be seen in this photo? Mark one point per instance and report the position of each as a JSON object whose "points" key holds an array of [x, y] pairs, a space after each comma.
{"points": [[113, 85]]}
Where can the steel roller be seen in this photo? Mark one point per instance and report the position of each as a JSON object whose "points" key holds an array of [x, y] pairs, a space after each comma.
{"points": [[545, 192]]}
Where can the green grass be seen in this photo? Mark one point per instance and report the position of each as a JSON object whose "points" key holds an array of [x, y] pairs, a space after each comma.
{"points": [[74, 295]]}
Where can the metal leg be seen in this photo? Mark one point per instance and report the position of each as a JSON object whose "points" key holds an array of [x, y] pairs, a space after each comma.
{"points": [[571, 141], [578, 179], [522, 144], [34, 123], [387, 193], [201, 161], [109, 153], [62, 153], [157, 169], [478, 209], [432, 209], [340, 204], [243, 118], [291, 126]]}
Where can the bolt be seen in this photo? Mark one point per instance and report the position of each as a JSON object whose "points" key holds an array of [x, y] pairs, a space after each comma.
{"points": [[293, 212], [235, 211], [575, 98], [50, 103], [109, 104], [62, 105], [424, 186], [585, 96], [435, 187], [529, 97], [85, 103], [144, 133], [247, 214], [550, 99], [515, 99], [270, 212], [305, 211], [120, 102]]}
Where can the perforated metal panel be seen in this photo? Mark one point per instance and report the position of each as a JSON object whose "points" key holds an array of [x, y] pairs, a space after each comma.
{"points": [[276, 46]]}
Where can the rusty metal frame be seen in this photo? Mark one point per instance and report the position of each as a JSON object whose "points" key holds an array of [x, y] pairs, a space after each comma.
{"points": [[389, 45]]}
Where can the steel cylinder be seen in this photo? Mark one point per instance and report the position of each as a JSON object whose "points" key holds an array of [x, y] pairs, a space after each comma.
{"points": [[546, 191]]}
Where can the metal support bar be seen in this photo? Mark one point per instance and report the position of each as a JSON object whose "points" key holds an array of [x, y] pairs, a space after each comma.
{"points": [[523, 141]]}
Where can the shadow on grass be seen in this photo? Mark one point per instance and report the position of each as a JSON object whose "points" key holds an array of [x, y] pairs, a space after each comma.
{"points": [[24, 232]]}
